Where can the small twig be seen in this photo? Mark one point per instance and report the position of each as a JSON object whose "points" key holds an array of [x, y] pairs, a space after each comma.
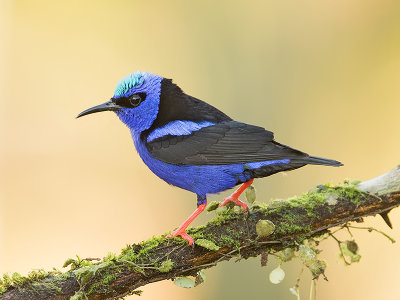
{"points": [[376, 230], [91, 259], [313, 289], [348, 230], [340, 248], [297, 286]]}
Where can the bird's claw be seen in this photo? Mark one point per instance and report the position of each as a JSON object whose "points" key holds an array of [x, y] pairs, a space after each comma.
{"points": [[236, 201], [183, 234]]}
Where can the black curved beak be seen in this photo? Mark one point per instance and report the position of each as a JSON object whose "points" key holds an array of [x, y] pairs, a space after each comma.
{"points": [[109, 105]]}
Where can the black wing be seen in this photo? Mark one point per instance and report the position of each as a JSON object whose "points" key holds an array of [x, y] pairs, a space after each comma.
{"points": [[225, 143]]}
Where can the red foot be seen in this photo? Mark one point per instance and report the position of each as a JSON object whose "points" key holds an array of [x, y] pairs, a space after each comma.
{"points": [[234, 200], [183, 234], [235, 196], [181, 231]]}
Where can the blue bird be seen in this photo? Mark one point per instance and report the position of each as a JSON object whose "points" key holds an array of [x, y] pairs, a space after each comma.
{"points": [[192, 145]]}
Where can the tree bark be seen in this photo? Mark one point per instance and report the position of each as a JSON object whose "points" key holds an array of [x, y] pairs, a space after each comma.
{"points": [[231, 234]]}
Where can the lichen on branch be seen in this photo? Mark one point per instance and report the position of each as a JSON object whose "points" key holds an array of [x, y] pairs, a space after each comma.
{"points": [[269, 228]]}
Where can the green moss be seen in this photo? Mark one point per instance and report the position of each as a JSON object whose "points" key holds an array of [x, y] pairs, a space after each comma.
{"points": [[166, 266], [109, 278], [101, 275], [285, 229], [76, 263], [224, 215], [68, 262], [290, 218], [207, 244], [5, 283], [322, 196], [78, 296], [34, 278], [228, 241], [85, 274], [309, 202], [351, 193], [197, 232], [104, 283], [18, 279], [110, 257], [260, 206], [129, 254]]}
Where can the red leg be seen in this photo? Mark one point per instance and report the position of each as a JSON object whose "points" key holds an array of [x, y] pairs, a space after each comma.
{"points": [[235, 196], [182, 229]]}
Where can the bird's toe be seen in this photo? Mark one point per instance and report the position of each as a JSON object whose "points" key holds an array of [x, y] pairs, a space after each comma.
{"points": [[182, 234]]}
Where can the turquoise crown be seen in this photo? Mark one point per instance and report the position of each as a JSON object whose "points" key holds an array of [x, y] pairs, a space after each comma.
{"points": [[127, 83]]}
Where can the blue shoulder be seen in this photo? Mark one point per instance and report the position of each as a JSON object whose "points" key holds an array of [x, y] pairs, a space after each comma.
{"points": [[177, 128]]}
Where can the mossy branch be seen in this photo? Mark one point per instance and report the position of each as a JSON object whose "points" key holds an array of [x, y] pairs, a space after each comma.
{"points": [[274, 226]]}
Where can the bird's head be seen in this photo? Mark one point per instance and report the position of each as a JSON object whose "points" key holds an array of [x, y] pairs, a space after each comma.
{"points": [[136, 101]]}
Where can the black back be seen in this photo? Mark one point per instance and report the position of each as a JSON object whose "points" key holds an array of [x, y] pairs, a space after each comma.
{"points": [[176, 105], [226, 142]]}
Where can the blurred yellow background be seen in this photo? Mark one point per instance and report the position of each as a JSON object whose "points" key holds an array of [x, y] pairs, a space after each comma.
{"points": [[323, 75]]}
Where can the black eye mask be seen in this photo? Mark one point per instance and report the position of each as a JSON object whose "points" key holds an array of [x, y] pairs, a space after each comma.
{"points": [[131, 101]]}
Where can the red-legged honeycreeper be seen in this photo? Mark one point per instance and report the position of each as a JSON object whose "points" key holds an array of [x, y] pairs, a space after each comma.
{"points": [[192, 145]]}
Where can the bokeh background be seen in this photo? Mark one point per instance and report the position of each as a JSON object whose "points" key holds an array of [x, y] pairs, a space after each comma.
{"points": [[323, 75]]}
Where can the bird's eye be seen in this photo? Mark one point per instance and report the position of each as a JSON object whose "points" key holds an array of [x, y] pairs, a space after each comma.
{"points": [[134, 100]]}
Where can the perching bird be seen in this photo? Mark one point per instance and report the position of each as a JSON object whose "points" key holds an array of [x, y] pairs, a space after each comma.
{"points": [[192, 145]]}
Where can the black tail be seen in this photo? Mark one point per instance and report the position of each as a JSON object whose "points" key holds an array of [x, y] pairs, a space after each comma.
{"points": [[314, 160]]}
